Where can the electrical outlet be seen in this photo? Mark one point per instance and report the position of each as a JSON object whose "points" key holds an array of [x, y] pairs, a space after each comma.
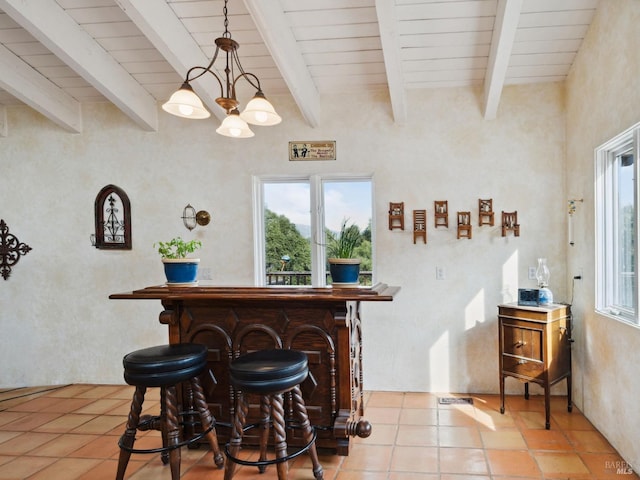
{"points": [[532, 273], [440, 273], [205, 273]]}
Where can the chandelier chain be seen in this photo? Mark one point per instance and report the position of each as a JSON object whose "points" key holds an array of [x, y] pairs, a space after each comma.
{"points": [[226, 33]]}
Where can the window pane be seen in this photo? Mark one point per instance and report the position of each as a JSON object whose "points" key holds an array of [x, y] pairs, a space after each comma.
{"points": [[350, 201], [625, 227], [287, 223]]}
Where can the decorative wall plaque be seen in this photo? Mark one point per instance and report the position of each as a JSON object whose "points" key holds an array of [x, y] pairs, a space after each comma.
{"points": [[11, 249], [305, 150]]}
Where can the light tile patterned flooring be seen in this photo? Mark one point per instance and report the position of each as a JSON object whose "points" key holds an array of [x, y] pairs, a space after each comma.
{"points": [[71, 433]]}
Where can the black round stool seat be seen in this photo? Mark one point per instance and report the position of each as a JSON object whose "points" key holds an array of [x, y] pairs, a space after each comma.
{"points": [[271, 374], [164, 365], [269, 371], [167, 367]]}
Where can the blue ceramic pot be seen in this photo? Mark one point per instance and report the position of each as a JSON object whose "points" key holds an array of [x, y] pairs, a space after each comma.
{"points": [[344, 271], [181, 270]]}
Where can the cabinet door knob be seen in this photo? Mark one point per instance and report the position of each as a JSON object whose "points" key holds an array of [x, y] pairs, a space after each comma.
{"points": [[520, 343]]}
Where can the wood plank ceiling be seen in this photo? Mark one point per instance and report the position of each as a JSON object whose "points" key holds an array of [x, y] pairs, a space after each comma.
{"points": [[57, 54]]}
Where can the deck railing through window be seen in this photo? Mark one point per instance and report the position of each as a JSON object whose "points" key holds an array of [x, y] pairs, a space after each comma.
{"points": [[304, 278]]}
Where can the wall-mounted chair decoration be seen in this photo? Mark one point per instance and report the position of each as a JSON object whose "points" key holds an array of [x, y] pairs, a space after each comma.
{"points": [[191, 218], [396, 215], [464, 225], [485, 212], [113, 219], [11, 249], [420, 225], [441, 215], [510, 223]]}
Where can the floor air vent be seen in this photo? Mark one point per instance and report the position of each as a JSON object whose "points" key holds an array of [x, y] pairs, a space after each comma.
{"points": [[455, 401]]}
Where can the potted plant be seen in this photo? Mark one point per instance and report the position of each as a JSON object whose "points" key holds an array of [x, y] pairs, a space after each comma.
{"points": [[179, 269], [345, 270]]}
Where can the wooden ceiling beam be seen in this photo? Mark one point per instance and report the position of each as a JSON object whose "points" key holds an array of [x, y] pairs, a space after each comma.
{"points": [[504, 32], [167, 33], [59, 33], [391, 51], [27, 85], [277, 35]]}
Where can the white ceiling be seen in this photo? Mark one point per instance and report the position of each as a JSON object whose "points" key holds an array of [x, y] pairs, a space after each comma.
{"points": [[57, 54]]}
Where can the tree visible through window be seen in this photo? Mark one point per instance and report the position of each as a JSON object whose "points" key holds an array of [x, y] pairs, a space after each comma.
{"points": [[295, 219]]}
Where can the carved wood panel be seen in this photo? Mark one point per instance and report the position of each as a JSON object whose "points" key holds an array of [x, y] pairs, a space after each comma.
{"points": [[329, 333]]}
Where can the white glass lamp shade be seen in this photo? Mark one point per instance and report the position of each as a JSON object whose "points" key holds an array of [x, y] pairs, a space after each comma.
{"points": [[186, 104], [234, 126], [542, 273], [259, 111]]}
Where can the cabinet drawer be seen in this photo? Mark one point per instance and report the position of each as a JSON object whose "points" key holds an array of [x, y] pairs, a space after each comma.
{"points": [[520, 366], [522, 341]]}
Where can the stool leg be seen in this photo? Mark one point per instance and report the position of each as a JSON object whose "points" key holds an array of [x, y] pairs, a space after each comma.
{"points": [[301, 412], [279, 434], [172, 430], [129, 435], [265, 420], [236, 434], [207, 420], [163, 424]]}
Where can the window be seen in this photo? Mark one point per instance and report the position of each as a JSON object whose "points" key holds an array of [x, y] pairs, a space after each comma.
{"points": [[294, 215], [617, 226]]}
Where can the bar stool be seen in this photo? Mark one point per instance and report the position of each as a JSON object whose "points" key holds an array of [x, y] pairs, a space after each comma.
{"points": [[270, 374], [166, 366]]}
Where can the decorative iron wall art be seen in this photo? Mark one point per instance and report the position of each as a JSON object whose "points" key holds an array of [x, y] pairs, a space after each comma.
{"points": [[11, 249], [113, 219]]}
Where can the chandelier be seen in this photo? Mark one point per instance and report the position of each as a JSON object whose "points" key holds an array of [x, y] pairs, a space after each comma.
{"points": [[186, 104]]}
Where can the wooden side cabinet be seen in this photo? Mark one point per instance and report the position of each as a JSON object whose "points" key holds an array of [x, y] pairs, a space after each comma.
{"points": [[535, 346]]}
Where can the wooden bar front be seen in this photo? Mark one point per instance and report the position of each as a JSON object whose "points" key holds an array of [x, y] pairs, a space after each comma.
{"points": [[325, 323]]}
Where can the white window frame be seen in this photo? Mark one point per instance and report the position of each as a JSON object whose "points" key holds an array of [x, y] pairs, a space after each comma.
{"points": [[318, 254], [606, 226]]}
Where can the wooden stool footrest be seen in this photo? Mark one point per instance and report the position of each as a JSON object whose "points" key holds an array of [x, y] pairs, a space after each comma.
{"points": [[191, 440], [264, 463]]}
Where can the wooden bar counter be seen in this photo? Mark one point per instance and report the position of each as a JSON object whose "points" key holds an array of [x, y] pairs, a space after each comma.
{"points": [[325, 323]]}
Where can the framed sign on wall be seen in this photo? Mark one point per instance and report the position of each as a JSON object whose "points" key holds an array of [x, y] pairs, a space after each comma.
{"points": [[305, 150]]}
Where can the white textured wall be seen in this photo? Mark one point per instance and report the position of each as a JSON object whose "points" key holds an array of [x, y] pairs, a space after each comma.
{"points": [[603, 100], [438, 335]]}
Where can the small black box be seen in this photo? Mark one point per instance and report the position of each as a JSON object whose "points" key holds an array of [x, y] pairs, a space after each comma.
{"points": [[528, 296]]}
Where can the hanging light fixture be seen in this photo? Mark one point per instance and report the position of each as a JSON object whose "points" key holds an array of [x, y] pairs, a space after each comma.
{"points": [[186, 104]]}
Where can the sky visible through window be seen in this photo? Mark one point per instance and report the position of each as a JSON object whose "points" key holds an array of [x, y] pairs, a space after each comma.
{"points": [[625, 181], [349, 200]]}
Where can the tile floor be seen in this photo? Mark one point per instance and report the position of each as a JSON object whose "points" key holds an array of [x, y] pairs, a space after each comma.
{"points": [[71, 433]]}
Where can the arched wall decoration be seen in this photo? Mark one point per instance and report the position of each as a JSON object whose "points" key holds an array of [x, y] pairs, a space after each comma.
{"points": [[113, 219], [11, 249]]}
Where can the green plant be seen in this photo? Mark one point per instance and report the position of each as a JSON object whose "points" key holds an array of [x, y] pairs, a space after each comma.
{"points": [[343, 244], [177, 247]]}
